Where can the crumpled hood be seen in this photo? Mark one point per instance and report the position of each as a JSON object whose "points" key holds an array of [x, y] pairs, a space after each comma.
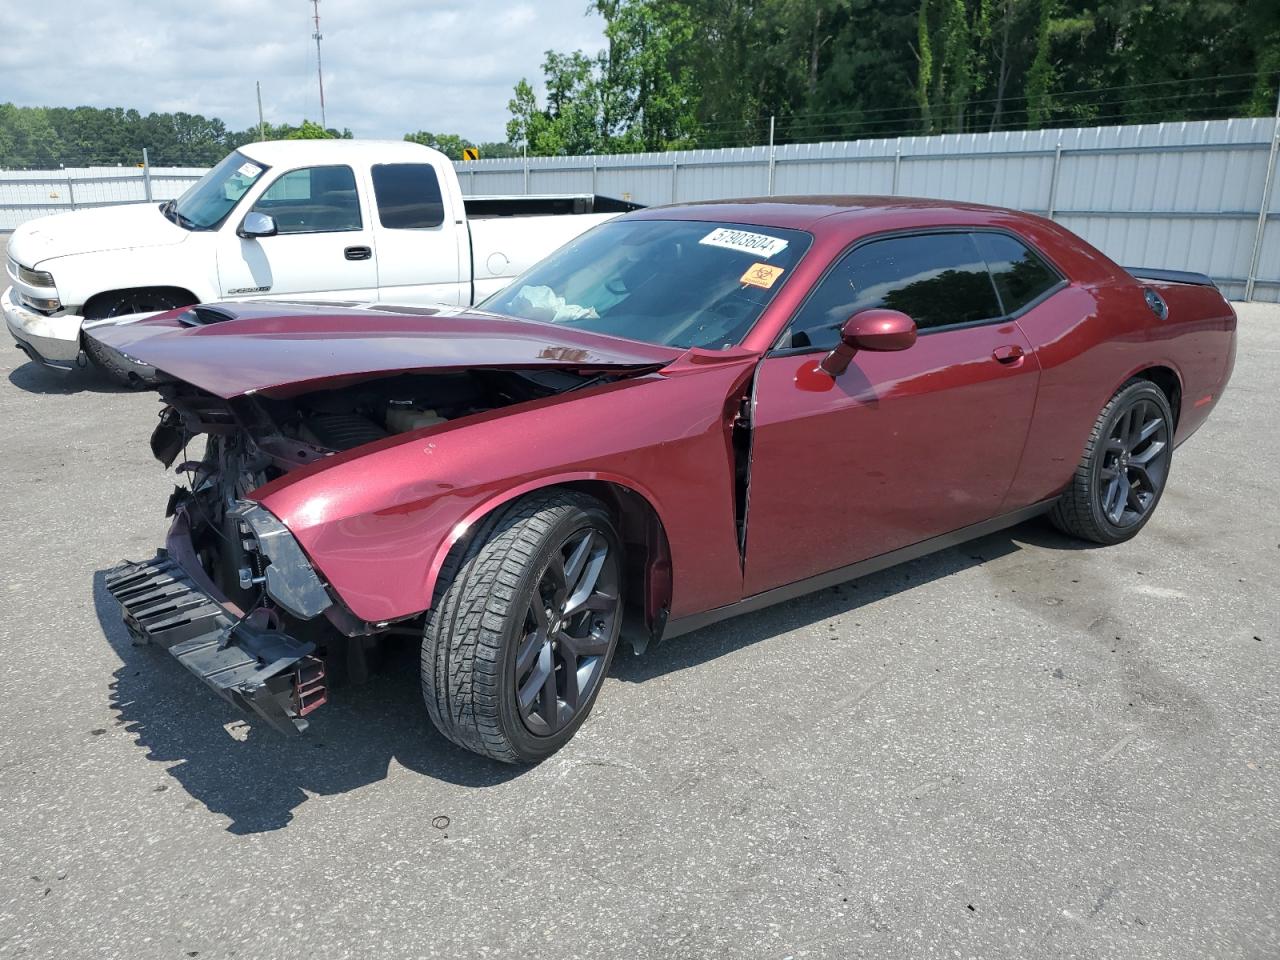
{"points": [[233, 349], [122, 227]]}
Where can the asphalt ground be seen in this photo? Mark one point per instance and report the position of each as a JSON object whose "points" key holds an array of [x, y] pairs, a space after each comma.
{"points": [[1018, 748]]}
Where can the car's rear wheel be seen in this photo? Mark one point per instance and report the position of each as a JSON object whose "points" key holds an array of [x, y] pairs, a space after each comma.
{"points": [[118, 305], [1125, 466], [523, 627]]}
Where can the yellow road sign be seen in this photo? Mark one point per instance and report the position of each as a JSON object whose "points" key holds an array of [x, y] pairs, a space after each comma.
{"points": [[470, 153]]}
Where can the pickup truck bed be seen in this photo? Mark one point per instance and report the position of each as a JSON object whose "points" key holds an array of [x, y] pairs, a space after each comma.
{"points": [[545, 204]]}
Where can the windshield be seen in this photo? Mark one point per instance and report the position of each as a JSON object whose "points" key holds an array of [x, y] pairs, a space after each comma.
{"points": [[208, 201], [674, 282]]}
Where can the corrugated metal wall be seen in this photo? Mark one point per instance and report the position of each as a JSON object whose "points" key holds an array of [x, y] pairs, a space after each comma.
{"points": [[1173, 195], [27, 194], [1183, 196]]}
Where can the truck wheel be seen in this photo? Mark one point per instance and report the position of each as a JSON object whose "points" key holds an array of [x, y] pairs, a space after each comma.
{"points": [[1123, 472], [118, 305], [523, 626]]}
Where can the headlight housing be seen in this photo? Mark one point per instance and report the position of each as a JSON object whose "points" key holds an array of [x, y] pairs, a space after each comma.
{"points": [[37, 278]]}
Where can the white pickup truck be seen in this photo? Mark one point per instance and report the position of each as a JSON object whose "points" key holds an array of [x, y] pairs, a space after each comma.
{"points": [[291, 219]]}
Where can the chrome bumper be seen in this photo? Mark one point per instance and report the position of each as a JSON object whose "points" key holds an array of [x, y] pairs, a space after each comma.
{"points": [[53, 341]]}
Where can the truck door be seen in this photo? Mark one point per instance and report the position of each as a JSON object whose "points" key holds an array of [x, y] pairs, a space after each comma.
{"points": [[323, 244], [423, 254]]}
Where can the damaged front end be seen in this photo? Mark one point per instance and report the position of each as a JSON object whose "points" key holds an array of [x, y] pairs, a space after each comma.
{"points": [[231, 592], [232, 595], [244, 659]]}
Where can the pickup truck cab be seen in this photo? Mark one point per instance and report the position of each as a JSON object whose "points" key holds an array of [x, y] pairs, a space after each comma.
{"points": [[316, 219]]}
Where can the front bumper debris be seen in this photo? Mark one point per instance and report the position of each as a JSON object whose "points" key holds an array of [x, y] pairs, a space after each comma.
{"points": [[261, 670]]}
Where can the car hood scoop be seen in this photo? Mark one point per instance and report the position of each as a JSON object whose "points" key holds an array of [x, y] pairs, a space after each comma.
{"points": [[284, 348]]}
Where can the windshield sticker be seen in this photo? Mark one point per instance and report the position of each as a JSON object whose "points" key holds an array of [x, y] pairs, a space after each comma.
{"points": [[761, 275], [249, 170], [759, 244]]}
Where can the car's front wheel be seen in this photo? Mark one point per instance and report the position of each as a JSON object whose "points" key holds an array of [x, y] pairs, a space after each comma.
{"points": [[523, 626], [1125, 466]]}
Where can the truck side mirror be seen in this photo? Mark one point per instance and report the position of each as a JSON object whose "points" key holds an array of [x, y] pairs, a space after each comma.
{"points": [[257, 225], [873, 329]]}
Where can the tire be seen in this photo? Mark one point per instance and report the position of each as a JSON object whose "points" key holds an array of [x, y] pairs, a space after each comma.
{"points": [[502, 675], [116, 305], [1122, 475]]}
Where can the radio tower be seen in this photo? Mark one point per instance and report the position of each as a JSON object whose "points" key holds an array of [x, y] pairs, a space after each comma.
{"points": [[318, 36]]}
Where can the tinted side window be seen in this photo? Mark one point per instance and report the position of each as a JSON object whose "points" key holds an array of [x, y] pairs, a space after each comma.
{"points": [[936, 279], [1020, 275], [313, 199], [408, 195]]}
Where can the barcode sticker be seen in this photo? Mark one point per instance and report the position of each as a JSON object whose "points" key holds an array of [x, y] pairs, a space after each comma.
{"points": [[758, 244]]}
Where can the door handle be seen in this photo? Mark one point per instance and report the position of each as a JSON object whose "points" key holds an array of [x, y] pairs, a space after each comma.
{"points": [[357, 253], [1010, 354]]}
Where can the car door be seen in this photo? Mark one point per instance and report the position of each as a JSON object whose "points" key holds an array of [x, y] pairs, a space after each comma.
{"points": [[323, 245], [422, 249], [902, 446]]}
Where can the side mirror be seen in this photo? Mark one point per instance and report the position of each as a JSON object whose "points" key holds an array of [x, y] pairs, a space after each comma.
{"points": [[874, 329], [257, 225]]}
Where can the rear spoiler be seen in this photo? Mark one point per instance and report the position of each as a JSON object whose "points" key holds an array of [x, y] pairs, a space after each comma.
{"points": [[1171, 276]]}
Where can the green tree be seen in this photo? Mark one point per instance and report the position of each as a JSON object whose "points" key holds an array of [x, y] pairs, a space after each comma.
{"points": [[450, 144], [496, 151], [309, 131], [924, 73], [1041, 75], [571, 122]]}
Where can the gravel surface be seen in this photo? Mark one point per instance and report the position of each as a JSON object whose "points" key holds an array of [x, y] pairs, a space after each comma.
{"points": [[1019, 748]]}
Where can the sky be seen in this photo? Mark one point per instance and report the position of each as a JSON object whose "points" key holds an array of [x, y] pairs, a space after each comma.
{"points": [[390, 66]]}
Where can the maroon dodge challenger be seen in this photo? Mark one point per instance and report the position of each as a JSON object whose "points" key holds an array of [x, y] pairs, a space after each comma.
{"points": [[687, 413]]}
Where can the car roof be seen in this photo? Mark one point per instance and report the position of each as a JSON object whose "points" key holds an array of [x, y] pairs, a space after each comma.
{"points": [[289, 153], [836, 211]]}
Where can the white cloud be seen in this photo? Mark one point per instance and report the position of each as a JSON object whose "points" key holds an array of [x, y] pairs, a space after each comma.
{"points": [[390, 66]]}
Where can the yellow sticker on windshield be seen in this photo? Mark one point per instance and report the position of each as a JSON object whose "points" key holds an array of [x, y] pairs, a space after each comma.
{"points": [[761, 275]]}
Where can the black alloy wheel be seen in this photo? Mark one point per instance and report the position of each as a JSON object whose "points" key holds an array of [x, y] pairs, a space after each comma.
{"points": [[1135, 464], [1119, 480], [134, 301], [523, 626], [567, 633], [119, 305]]}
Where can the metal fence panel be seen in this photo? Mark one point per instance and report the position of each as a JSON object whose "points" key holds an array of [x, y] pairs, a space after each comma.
{"points": [[27, 194], [1173, 195]]}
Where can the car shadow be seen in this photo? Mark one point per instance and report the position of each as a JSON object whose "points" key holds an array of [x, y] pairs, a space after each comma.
{"points": [[240, 768], [728, 636], [36, 378]]}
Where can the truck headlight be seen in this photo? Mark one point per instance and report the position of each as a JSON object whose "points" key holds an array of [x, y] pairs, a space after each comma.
{"points": [[37, 278]]}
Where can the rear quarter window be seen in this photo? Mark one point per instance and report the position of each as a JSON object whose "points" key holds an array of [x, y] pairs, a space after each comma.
{"points": [[1020, 274], [408, 196]]}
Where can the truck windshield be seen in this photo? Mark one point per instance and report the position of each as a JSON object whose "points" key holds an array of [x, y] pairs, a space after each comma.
{"points": [[208, 201], [675, 282]]}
